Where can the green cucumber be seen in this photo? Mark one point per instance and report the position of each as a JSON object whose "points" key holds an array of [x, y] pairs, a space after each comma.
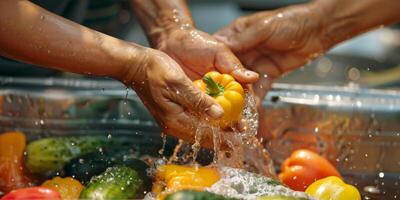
{"points": [[92, 164], [115, 183], [195, 195], [49, 155]]}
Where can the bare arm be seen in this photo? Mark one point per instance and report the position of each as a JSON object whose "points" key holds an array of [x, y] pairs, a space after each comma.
{"points": [[345, 19], [31, 34], [160, 16], [278, 41]]}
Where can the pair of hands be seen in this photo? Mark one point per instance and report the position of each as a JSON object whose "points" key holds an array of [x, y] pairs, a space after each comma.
{"points": [[269, 43]]}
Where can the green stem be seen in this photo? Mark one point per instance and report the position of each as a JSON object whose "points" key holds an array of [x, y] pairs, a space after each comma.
{"points": [[213, 88]]}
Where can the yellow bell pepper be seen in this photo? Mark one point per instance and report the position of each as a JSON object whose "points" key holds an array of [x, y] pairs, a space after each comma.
{"points": [[227, 92], [68, 187], [171, 178], [333, 188]]}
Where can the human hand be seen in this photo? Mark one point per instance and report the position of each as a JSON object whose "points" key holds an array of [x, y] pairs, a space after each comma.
{"points": [[274, 42], [170, 95], [198, 53]]}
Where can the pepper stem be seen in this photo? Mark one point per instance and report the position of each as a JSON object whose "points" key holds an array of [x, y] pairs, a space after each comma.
{"points": [[213, 88]]}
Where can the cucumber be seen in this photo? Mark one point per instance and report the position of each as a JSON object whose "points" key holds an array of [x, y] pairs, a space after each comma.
{"points": [[92, 164], [115, 183], [47, 156], [195, 195]]}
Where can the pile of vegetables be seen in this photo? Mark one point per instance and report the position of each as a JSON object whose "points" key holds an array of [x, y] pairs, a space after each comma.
{"points": [[96, 167], [86, 167]]}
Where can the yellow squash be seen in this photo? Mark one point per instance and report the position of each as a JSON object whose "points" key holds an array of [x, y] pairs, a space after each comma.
{"points": [[227, 92], [333, 188]]}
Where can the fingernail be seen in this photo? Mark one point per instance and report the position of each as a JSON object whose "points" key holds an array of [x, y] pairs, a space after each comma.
{"points": [[246, 75], [215, 111], [249, 73]]}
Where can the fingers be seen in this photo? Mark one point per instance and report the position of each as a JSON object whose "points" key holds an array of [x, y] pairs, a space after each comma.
{"points": [[226, 62], [197, 101]]}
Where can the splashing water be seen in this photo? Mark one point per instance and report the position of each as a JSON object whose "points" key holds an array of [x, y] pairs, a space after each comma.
{"points": [[240, 184], [237, 149]]}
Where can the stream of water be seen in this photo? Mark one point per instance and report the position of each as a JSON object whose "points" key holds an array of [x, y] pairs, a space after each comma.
{"points": [[237, 149]]}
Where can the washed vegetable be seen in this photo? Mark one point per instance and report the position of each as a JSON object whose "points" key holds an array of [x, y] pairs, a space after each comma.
{"points": [[195, 195], [32, 193], [304, 167], [49, 155], [115, 183], [68, 188], [175, 177], [227, 92], [95, 163], [333, 188], [12, 145]]}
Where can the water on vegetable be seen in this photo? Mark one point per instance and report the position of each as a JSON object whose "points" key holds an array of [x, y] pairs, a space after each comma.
{"points": [[240, 184], [239, 149]]}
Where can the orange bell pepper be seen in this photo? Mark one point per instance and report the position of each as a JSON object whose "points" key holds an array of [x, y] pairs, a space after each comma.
{"points": [[69, 188], [304, 167], [12, 146]]}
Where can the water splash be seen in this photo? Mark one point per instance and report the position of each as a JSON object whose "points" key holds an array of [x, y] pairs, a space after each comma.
{"points": [[237, 149]]}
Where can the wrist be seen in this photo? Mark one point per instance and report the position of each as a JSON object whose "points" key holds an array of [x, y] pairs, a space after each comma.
{"points": [[168, 23], [323, 11], [137, 59]]}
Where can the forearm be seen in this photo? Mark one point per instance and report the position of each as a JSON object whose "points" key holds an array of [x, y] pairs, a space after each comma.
{"points": [[347, 18], [159, 16], [34, 35]]}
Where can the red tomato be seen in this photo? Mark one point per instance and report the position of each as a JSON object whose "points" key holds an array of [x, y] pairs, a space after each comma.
{"points": [[32, 193], [304, 167], [12, 145]]}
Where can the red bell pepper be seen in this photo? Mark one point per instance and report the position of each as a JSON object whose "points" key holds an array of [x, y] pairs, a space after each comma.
{"points": [[304, 167], [32, 193]]}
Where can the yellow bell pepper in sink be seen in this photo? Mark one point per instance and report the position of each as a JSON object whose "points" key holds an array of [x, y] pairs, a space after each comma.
{"points": [[171, 178], [333, 188], [227, 92]]}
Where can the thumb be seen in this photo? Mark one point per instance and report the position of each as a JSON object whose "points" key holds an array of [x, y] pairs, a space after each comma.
{"points": [[197, 101], [226, 62]]}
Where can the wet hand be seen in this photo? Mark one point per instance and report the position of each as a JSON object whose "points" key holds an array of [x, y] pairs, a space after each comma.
{"points": [[170, 95], [275, 42], [198, 53]]}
